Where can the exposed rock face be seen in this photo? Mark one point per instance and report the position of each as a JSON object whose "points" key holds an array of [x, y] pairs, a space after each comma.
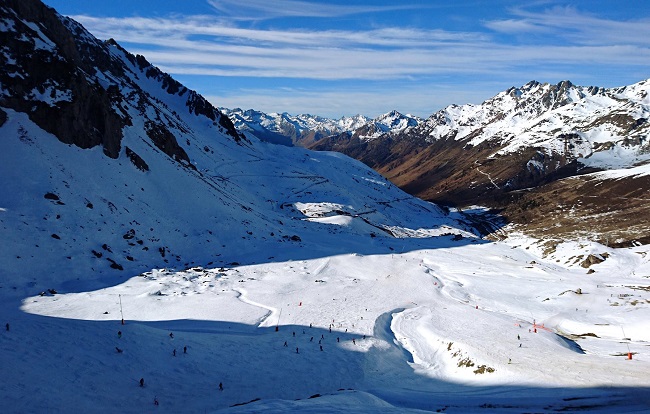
{"points": [[85, 91], [47, 63], [136, 160]]}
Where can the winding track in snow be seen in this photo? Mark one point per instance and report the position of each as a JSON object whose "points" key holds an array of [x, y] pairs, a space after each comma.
{"points": [[269, 319]]}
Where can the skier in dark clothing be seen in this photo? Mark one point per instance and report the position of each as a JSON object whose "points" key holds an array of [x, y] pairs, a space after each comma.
{"points": [[174, 352], [185, 350], [7, 326], [220, 386], [142, 382], [171, 335], [285, 343], [119, 351], [119, 334]]}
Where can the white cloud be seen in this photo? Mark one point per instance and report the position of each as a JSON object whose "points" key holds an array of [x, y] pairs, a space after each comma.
{"points": [[576, 26], [203, 45], [265, 9], [564, 43]]}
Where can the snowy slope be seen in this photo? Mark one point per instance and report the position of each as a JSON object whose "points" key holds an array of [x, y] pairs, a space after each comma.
{"points": [[216, 255], [604, 128]]}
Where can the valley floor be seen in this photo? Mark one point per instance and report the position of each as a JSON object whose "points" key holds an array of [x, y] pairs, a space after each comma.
{"points": [[481, 327]]}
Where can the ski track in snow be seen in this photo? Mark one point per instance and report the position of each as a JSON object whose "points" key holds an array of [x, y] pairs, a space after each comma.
{"points": [[270, 319]]}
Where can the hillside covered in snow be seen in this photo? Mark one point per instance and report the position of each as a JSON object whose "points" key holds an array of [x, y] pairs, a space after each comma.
{"points": [[530, 153], [154, 258]]}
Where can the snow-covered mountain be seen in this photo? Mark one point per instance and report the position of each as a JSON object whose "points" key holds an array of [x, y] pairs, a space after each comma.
{"points": [[153, 258], [154, 175], [304, 130], [602, 128], [523, 139]]}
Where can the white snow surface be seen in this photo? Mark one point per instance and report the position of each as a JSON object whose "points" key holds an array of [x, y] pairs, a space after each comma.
{"points": [[424, 316], [214, 268]]}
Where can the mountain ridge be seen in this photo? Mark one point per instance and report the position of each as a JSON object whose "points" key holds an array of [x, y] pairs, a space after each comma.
{"points": [[504, 153], [305, 129]]}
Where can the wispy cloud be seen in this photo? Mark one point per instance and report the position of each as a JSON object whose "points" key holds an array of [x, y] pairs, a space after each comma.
{"points": [[203, 45], [575, 26], [265, 9], [560, 41]]}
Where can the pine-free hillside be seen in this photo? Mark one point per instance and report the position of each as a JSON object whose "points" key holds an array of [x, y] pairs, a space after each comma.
{"points": [[112, 167], [155, 259], [528, 152]]}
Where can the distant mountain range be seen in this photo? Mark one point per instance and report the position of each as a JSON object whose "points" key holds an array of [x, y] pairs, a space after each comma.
{"points": [[526, 152], [305, 130]]}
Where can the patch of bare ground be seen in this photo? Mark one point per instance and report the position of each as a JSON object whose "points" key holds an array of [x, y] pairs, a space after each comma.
{"points": [[612, 212]]}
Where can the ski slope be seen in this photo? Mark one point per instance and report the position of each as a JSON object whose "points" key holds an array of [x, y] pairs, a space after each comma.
{"points": [[190, 274], [429, 329]]}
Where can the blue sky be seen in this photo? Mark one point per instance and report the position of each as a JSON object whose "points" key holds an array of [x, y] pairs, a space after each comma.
{"points": [[335, 58]]}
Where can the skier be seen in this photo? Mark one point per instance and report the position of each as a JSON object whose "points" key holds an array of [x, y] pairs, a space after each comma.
{"points": [[519, 345], [353, 341], [185, 349], [119, 334], [312, 339], [119, 351], [220, 386], [142, 382], [337, 339], [174, 352], [321, 347], [294, 334], [518, 338], [7, 326], [285, 344], [171, 335], [297, 350], [155, 401]]}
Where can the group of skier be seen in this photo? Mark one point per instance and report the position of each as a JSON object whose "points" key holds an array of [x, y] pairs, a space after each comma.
{"points": [[320, 341], [141, 381]]}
